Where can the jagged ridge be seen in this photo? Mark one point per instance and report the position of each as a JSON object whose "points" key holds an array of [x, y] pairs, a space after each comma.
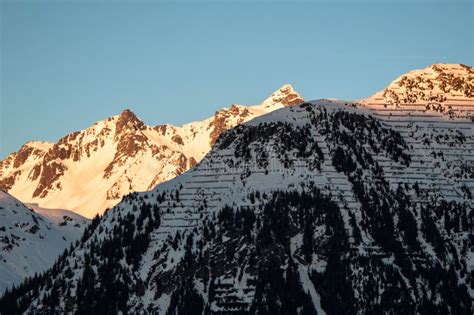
{"points": [[90, 170]]}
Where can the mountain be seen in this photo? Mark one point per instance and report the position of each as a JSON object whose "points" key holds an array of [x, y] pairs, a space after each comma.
{"points": [[91, 170], [438, 90], [31, 238], [327, 207]]}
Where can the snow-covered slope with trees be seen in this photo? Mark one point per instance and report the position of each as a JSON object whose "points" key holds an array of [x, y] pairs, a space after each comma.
{"points": [[320, 208], [32, 238], [327, 207], [90, 170]]}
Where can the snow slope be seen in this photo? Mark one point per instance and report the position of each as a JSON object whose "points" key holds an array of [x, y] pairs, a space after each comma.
{"points": [[31, 238], [297, 210]]}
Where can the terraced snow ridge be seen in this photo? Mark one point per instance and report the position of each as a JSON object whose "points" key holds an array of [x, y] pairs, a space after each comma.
{"points": [[32, 238], [91, 170], [327, 207], [433, 110]]}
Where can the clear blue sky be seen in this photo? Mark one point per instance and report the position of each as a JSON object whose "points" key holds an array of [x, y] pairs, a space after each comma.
{"points": [[67, 64]]}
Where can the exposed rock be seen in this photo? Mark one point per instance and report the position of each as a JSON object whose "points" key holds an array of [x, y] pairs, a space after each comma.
{"points": [[178, 139]]}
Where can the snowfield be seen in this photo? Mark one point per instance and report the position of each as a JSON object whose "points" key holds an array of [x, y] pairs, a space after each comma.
{"points": [[31, 238]]}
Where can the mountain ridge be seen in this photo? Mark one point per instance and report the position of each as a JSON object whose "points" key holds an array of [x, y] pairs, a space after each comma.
{"points": [[317, 208], [128, 151], [443, 90]]}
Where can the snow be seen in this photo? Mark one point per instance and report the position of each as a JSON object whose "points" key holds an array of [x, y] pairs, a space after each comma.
{"points": [[32, 252], [309, 288], [214, 182], [303, 271]]}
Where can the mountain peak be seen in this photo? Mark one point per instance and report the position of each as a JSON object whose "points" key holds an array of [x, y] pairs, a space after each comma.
{"points": [[127, 114], [128, 120], [436, 84], [285, 95], [434, 71]]}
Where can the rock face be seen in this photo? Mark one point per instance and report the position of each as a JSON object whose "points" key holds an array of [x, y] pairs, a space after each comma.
{"points": [[91, 170], [327, 207], [31, 238]]}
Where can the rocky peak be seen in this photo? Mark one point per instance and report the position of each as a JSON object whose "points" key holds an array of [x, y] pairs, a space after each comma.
{"points": [[437, 73], [127, 120], [435, 84], [285, 95], [451, 67], [127, 113]]}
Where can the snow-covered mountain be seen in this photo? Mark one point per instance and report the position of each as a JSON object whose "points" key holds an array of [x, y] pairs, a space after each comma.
{"points": [[438, 90], [32, 238], [327, 207], [90, 170]]}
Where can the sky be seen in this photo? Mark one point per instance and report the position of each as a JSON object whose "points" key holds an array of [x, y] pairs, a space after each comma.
{"points": [[66, 64]]}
